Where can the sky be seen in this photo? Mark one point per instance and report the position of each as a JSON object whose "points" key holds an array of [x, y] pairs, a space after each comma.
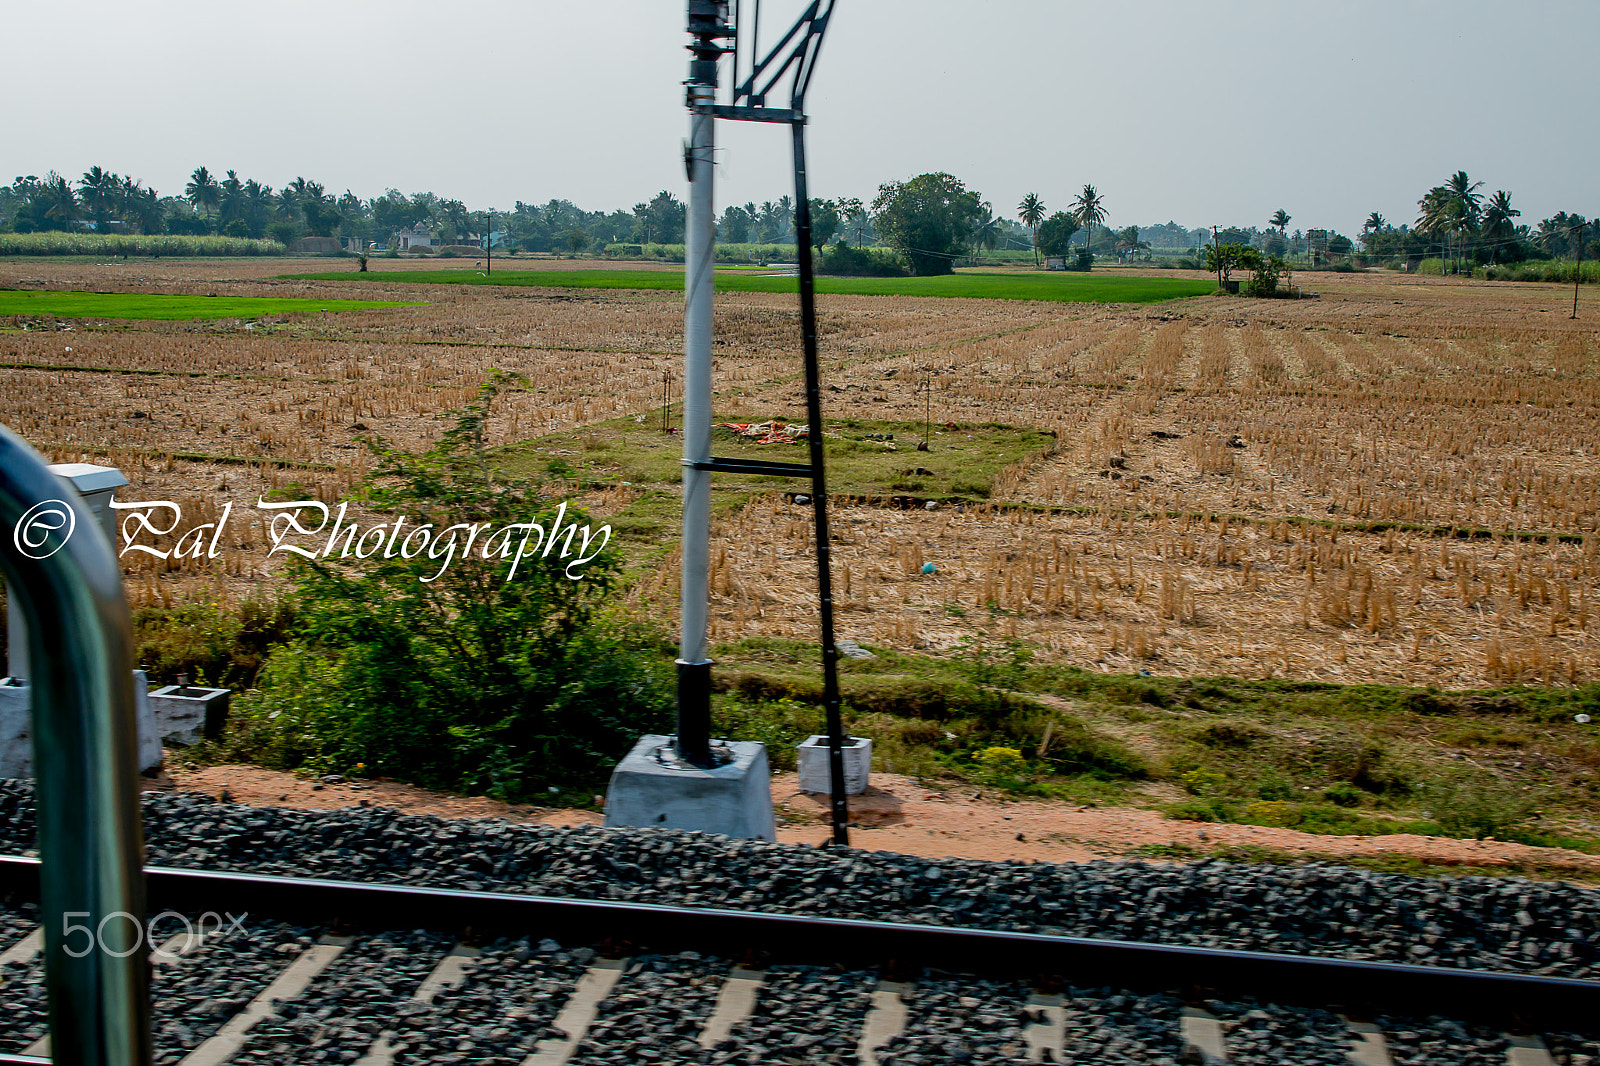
{"points": [[1204, 113]]}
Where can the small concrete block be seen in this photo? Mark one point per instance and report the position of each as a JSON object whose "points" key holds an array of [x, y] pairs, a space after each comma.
{"points": [[187, 714], [734, 800], [16, 728], [812, 757], [16, 731], [144, 718]]}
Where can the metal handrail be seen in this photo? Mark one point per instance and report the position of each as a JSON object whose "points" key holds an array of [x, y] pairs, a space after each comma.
{"points": [[60, 565]]}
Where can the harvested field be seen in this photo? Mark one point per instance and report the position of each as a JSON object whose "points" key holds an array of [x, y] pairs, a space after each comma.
{"points": [[1396, 481]]}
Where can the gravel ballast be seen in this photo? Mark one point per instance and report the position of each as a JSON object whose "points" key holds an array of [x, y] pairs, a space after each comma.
{"points": [[1507, 923]]}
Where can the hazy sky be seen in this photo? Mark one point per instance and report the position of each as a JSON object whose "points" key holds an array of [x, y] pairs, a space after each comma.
{"points": [[1202, 112]]}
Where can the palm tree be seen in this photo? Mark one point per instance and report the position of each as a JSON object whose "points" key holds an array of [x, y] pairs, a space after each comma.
{"points": [[1554, 233], [142, 206], [98, 190], [1031, 212], [287, 203], [1497, 224], [785, 216], [1467, 206], [1090, 211], [57, 203], [257, 199], [231, 197], [1436, 217], [771, 217], [202, 189], [1374, 223], [1280, 218]]}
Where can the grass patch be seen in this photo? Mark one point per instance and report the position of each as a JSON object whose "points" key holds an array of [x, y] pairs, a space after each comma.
{"points": [[1365, 760], [143, 305], [1031, 285], [928, 717], [963, 466]]}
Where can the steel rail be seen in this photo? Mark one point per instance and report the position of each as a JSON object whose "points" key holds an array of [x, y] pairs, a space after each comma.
{"points": [[1305, 980]]}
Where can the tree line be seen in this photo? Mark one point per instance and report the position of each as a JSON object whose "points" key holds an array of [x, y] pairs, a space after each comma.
{"points": [[931, 222]]}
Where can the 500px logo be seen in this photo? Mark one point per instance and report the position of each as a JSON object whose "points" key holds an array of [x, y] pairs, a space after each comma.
{"points": [[94, 937], [32, 535]]}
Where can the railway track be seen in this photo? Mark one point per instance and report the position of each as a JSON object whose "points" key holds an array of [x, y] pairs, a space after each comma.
{"points": [[292, 970]]}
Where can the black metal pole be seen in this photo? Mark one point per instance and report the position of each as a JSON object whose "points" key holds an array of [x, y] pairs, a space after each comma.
{"points": [[1578, 277], [819, 491], [488, 247]]}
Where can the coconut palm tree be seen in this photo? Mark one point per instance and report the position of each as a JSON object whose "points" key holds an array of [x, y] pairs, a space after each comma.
{"points": [[258, 201], [1497, 224], [54, 202], [1467, 208], [771, 216], [1555, 233], [1280, 220], [202, 190], [1374, 223], [231, 197], [287, 203], [785, 216], [1090, 210], [1031, 212], [98, 191], [1437, 216]]}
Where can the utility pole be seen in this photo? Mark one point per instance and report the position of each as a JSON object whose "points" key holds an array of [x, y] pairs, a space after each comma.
{"points": [[488, 246], [1577, 277], [706, 27], [1216, 247]]}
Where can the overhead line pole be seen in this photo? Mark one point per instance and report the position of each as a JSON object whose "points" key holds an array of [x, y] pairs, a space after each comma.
{"points": [[707, 25], [1577, 278], [795, 55]]}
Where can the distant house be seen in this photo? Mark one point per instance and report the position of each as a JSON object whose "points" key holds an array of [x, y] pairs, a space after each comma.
{"points": [[409, 238], [354, 244], [1055, 262]]}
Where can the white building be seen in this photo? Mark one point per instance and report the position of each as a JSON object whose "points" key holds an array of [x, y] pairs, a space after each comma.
{"points": [[409, 238]]}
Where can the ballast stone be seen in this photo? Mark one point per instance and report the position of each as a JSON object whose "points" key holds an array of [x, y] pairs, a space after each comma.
{"points": [[734, 800]]}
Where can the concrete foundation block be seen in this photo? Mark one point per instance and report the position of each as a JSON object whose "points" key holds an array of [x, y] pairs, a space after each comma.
{"points": [[144, 715], [812, 757], [16, 728], [187, 714], [16, 731], [648, 788]]}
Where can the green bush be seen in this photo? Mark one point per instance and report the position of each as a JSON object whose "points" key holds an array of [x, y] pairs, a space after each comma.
{"points": [[1268, 269], [212, 645], [456, 676], [1001, 767], [860, 262]]}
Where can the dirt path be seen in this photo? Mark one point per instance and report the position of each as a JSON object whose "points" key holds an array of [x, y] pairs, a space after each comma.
{"points": [[897, 814]]}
